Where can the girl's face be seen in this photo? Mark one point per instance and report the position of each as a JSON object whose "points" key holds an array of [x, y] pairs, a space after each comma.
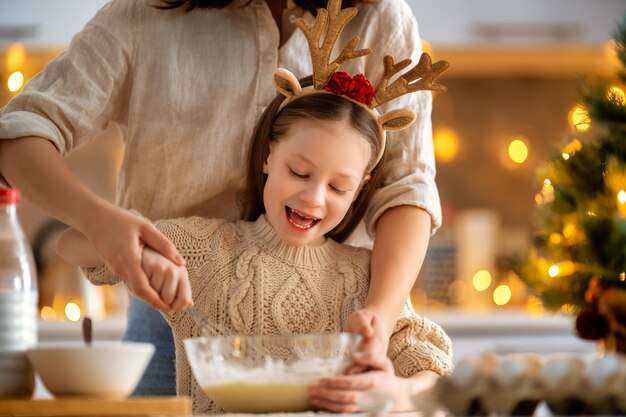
{"points": [[314, 173]]}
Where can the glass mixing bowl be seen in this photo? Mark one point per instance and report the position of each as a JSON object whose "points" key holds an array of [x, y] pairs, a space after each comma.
{"points": [[263, 374]]}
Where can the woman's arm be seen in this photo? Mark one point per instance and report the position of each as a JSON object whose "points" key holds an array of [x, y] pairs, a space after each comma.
{"points": [[402, 236], [34, 165], [74, 248]]}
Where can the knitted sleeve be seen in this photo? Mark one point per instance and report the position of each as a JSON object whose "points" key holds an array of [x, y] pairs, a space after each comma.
{"points": [[418, 344]]}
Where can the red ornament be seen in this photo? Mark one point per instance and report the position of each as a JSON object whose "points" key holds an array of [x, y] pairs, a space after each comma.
{"points": [[592, 325], [358, 88]]}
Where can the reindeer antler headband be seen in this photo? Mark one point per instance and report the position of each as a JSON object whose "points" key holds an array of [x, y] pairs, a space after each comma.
{"points": [[357, 89]]}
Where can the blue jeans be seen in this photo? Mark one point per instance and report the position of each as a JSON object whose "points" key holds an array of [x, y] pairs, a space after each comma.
{"points": [[146, 324]]}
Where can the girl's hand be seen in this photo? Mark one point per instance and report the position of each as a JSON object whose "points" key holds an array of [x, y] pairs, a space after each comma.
{"points": [[341, 393], [375, 338], [118, 237], [167, 279]]}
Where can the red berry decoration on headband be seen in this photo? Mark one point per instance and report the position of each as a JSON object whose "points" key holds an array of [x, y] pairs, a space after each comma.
{"points": [[358, 88], [361, 90]]}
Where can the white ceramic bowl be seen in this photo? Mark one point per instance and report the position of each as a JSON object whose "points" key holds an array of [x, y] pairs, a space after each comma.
{"points": [[264, 374], [103, 369]]}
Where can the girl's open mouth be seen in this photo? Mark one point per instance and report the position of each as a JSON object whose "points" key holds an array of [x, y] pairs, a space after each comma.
{"points": [[300, 220]]}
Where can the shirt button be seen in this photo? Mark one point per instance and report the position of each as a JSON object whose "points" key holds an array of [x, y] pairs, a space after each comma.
{"points": [[292, 18], [269, 57]]}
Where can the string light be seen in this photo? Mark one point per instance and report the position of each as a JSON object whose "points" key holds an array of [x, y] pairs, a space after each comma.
{"points": [[446, 143], [481, 280], [571, 148], [616, 95], [547, 191], [553, 271], [48, 313], [564, 268], [15, 81], [555, 238], [502, 295], [579, 119], [15, 57], [72, 311], [569, 231], [518, 150]]}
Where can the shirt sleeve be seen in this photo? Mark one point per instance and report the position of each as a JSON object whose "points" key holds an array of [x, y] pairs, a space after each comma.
{"points": [[418, 344], [79, 92], [409, 176]]}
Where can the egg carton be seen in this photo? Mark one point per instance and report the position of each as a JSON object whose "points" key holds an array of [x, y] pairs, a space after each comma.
{"points": [[515, 384]]}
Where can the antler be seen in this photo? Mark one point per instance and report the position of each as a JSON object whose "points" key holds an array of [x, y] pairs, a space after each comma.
{"points": [[320, 55], [421, 77]]}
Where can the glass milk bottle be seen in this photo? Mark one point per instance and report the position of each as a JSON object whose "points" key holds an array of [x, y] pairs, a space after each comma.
{"points": [[18, 301]]}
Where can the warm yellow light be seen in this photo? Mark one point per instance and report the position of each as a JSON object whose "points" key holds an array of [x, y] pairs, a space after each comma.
{"points": [[481, 280], [502, 295], [15, 82], [571, 148], [446, 143], [617, 95], [621, 197], [72, 311], [562, 269], [579, 118], [569, 230], [538, 198], [547, 191], [15, 57], [553, 271], [48, 313], [555, 238], [518, 151]]}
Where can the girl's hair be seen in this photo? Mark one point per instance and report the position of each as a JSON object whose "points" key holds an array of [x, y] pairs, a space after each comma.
{"points": [[273, 125], [188, 5]]}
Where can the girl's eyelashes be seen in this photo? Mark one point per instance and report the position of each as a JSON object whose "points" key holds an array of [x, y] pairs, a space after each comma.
{"points": [[337, 190], [306, 176], [295, 174]]}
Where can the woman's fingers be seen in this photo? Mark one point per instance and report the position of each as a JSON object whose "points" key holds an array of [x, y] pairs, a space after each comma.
{"points": [[152, 237]]}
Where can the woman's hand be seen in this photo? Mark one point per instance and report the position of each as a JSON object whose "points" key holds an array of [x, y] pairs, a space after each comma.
{"points": [[341, 393], [167, 279], [118, 236], [375, 338]]}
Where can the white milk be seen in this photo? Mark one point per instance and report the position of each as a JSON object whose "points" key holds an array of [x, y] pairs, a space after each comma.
{"points": [[18, 332]]}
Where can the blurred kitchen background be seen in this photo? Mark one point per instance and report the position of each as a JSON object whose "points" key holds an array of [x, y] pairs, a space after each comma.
{"points": [[516, 67]]}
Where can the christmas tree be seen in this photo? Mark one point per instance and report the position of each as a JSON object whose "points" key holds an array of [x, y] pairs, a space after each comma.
{"points": [[578, 262]]}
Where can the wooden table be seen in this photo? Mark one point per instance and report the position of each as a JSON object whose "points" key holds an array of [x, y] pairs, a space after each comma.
{"points": [[91, 407]]}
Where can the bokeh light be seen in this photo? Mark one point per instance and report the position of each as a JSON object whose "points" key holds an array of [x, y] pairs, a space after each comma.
{"points": [[518, 150]]}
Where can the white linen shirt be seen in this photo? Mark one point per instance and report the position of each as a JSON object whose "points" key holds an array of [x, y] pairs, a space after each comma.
{"points": [[186, 90]]}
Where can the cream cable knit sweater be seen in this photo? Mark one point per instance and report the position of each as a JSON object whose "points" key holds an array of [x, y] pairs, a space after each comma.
{"points": [[250, 282]]}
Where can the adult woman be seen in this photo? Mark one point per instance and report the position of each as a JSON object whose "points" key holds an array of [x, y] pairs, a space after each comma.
{"points": [[178, 84]]}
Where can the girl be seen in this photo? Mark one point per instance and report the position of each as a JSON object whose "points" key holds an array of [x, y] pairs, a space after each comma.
{"points": [[313, 164], [151, 72]]}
